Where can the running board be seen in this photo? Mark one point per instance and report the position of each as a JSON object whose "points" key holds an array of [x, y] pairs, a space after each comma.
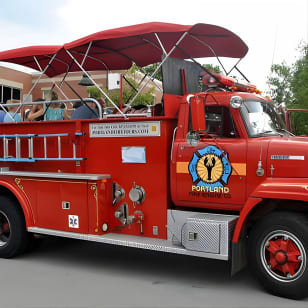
{"points": [[131, 241]]}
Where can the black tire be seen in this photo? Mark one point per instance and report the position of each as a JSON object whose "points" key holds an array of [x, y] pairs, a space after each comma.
{"points": [[277, 253], [14, 238]]}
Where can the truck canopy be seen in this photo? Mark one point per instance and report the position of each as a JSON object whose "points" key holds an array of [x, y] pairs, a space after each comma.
{"points": [[117, 49]]}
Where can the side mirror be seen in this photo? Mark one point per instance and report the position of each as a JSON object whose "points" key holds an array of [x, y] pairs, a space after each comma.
{"points": [[197, 113]]}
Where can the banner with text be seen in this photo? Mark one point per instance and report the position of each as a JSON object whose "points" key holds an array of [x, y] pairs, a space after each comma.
{"points": [[125, 129]]}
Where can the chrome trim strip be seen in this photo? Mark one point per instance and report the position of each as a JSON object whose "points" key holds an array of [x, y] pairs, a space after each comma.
{"points": [[172, 144], [56, 175], [130, 241]]}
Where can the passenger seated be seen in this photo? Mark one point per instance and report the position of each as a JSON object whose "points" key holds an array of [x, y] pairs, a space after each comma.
{"points": [[2, 115], [36, 112], [11, 115], [137, 109], [106, 110], [55, 112], [85, 112]]}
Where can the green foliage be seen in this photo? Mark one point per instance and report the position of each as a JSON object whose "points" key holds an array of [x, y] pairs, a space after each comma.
{"points": [[299, 86], [215, 69], [299, 122], [145, 98], [299, 81], [211, 68], [94, 92], [279, 82], [289, 86], [150, 69]]}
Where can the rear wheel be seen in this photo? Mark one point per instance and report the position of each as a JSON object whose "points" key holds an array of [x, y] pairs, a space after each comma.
{"points": [[278, 250], [13, 235]]}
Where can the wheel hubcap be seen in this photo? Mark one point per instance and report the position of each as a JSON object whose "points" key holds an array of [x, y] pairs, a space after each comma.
{"points": [[283, 256], [5, 229]]}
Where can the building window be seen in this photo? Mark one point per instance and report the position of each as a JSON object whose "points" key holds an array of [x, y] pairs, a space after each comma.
{"points": [[7, 93]]}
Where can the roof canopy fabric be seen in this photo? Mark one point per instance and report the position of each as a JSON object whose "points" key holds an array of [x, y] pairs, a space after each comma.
{"points": [[117, 49]]}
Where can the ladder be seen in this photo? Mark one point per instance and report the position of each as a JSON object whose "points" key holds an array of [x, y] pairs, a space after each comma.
{"points": [[31, 157]]}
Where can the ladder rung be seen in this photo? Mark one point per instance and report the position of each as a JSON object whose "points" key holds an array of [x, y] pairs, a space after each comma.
{"points": [[51, 135], [56, 158], [18, 159], [18, 136], [31, 158]]}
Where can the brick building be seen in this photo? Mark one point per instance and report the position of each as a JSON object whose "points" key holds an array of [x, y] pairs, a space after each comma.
{"points": [[15, 84]]}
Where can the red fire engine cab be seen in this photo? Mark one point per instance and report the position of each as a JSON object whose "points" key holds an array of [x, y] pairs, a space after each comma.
{"points": [[210, 172]]}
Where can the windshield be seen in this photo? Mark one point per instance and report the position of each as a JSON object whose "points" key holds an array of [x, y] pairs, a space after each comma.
{"points": [[261, 119]]}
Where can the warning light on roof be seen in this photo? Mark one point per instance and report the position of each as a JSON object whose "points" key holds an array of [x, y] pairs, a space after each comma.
{"points": [[216, 80]]}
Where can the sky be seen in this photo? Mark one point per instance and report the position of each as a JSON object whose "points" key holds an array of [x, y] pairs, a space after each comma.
{"points": [[272, 29]]}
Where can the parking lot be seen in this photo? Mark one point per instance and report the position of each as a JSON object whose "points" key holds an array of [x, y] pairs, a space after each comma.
{"points": [[71, 273]]}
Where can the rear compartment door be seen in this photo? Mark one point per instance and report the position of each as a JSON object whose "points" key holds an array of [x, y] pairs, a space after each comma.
{"points": [[62, 205]]}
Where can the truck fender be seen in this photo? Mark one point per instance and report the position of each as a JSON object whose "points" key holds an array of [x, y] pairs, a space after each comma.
{"points": [[248, 206], [278, 188], [272, 188], [23, 202]]}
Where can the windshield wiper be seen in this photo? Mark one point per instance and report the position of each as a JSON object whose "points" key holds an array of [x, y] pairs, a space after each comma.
{"points": [[285, 131], [268, 132]]}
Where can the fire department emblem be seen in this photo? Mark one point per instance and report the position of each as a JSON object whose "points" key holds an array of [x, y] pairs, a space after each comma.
{"points": [[210, 167]]}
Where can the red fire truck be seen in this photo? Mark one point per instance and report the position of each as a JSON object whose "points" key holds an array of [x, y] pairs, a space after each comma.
{"points": [[208, 172]]}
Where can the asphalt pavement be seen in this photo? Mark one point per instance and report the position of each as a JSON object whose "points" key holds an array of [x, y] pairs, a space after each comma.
{"points": [[69, 273]]}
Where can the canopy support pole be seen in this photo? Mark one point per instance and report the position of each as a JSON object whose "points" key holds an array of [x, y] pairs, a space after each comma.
{"points": [[54, 82], [157, 68], [41, 75], [160, 43], [93, 58], [132, 86], [241, 73], [106, 96], [211, 49], [235, 66], [36, 82], [154, 82], [64, 81], [86, 54], [37, 63], [202, 67]]}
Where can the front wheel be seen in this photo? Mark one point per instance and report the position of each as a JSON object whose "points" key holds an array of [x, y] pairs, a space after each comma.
{"points": [[278, 250]]}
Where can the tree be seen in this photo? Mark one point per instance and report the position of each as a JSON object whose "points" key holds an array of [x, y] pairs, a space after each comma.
{"points": [[94, 92], [215, 69], [279, 82], [299, 82], [299, 88], [289, 86], [150, 70], [145, 98]]}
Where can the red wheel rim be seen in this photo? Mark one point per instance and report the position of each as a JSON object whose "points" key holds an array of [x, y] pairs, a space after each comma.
{"points": [[283, 255], [5, 229]]}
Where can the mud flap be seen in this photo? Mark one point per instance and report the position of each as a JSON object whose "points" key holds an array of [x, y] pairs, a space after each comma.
{"points": [[238, 256]]}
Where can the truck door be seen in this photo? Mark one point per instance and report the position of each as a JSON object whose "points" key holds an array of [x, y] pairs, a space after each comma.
{"points": [[211, 174]]}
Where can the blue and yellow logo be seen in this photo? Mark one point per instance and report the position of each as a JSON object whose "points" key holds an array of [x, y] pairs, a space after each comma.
{"points": [[209, 168]]}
